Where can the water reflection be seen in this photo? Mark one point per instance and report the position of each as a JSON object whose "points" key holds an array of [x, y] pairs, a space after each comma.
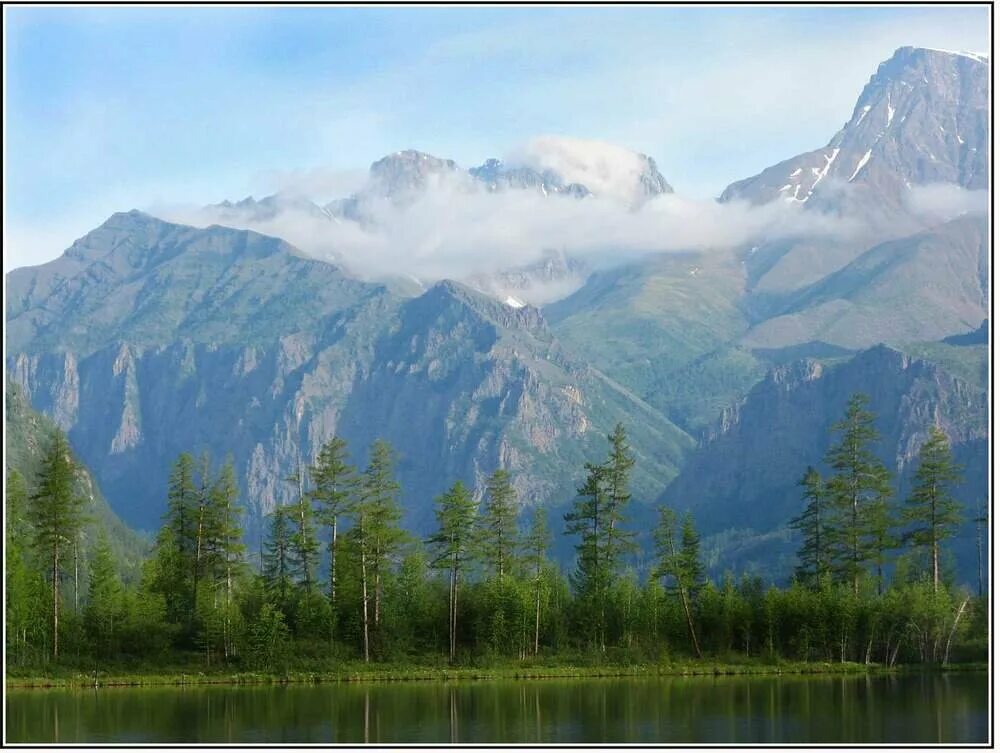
{"points": [[904, 708]]}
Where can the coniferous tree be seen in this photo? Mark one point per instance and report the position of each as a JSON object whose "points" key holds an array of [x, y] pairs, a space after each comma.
{"points": [[104, 615], [56, 514], [25, 592], [930, 506], [277, 570], [617, 470], [225, 541], [334, 481], [814, 558], [499, 523], [537, 544], [376, 533], [860, 481], [681, 562], [586, 520], [304, 544], [452, 547]]}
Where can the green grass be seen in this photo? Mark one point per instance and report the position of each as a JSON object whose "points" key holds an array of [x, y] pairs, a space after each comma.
{"points": [[359, 672]]}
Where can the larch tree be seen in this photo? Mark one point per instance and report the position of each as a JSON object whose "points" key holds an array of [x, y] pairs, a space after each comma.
{"points": [[537, 544], [376, 533], [334, 480], [56, 514], [858, 484], [304, 544], [499, 523], [452, 547], [680, 561], [931, 508]]}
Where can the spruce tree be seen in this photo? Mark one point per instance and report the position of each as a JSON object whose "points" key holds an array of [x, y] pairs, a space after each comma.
{"points": [[931, 507], [56, 514], [586, 520], [814, 557], [277, 570], [859, 482], [452, 548]]}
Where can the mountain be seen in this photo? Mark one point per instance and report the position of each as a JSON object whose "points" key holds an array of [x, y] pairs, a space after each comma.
{"points": [[147, 339], [28, 436], [920, 122], [921, 119], [644, 323], [741, 482], [921, 287]]}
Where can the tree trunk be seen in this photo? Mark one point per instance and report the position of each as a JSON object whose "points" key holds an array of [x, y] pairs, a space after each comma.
{"points": [[55, 602], [333, 564], [364, 604], [690, 621], [954, 627], [538, 609]]}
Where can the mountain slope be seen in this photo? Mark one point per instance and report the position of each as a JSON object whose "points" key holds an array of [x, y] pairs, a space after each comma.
{"points": [[743, 477], [28, 436], [921, 287], [461, 383]]}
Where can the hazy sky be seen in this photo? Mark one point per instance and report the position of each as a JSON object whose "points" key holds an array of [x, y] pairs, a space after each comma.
{"points": [[110, 109]]}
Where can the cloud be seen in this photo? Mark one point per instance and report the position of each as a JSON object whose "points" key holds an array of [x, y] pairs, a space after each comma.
{"points": [[606, 169], [457, 229], [939, 202]]}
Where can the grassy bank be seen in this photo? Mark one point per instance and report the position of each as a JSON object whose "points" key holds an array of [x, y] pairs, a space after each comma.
{"points": [[382, 673]]}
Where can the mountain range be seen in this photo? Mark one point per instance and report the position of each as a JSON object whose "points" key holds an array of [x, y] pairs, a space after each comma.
{"points": [[727, 365]]}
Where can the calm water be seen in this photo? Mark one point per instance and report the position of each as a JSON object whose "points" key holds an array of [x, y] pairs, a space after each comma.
{"points": [[904, 708]]}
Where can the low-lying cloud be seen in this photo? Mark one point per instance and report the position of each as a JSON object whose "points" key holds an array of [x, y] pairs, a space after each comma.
{"points": [[459, 230]]}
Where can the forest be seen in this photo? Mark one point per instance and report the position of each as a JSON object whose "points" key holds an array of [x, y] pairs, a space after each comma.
{"points": [[338, 581]]}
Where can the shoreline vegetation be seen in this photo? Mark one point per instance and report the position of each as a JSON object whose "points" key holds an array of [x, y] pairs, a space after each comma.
{"points": [[342, 592], [418, 673]]}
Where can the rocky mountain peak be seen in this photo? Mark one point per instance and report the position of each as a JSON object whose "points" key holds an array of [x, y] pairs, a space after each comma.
{"points": [[404, 172], [921, 119]]}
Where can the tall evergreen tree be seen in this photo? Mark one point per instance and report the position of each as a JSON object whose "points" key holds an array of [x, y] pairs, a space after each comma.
{"points": [[859, 482], [586, 520], [499, 523], [376, 533], [277, 570], [334, 481], [452, 547], [932, 509], [56, 514], [618, 469], [814, 556]]}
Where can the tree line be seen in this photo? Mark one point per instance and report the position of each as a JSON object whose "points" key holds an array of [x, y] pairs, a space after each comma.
{"points": [[339, 579]]}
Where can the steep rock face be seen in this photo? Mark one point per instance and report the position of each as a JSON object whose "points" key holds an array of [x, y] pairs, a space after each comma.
{"points": [[28, 436], [921, 119], [744, 474], [459, 382]]}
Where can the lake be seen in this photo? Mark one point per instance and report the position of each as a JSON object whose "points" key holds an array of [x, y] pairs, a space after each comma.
{"points": [[903, 708]]}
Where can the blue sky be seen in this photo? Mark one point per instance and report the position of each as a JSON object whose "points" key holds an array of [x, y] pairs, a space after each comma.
{"points": [[113, 108]]}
